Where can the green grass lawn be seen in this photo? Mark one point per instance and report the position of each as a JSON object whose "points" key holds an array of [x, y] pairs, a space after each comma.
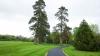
{"points": [[72, 52], [17, 48]]}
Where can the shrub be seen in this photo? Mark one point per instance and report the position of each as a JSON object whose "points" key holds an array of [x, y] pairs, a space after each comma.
{"points": [[84, 39]]}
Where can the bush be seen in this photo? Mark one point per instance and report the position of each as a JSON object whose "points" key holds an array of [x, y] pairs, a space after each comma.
{"points": [[97, 42], [71, 42], [85, 40]]}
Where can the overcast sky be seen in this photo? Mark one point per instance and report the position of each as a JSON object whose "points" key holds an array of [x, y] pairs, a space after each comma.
{"points": [[15, 14]]}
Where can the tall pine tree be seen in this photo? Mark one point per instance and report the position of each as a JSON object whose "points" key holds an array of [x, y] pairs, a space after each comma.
{"points": [[62, 17], [39, 24]]}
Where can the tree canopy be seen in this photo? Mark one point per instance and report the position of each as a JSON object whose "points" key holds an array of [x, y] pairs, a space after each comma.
{"points": [[62, 17], [84, 39], [40, 26]]}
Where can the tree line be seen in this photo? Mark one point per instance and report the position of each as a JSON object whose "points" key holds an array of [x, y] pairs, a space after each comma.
{"points": [[14, 38], [40, 26], [85, 37]]}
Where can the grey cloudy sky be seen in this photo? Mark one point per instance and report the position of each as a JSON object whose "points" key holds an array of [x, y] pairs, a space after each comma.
{"points": [[15, 14]]}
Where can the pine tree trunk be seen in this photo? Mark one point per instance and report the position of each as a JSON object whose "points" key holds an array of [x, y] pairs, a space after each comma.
{"points": [[61, 34], [61, 40]]}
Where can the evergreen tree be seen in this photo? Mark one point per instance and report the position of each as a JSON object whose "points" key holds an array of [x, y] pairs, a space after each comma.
{"points": [[39, 24], [66, 34], [54, 36], [61, 15], [75, 30], [94, 28], [85, 39]]}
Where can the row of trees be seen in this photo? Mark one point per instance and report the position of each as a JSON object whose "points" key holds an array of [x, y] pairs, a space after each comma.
{"points": [[14, 38], [84, 38], [40, 26], [55, 36]]}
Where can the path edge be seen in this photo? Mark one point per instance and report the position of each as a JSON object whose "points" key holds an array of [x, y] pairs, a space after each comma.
{"points": [[64, 53], [46, 53]]}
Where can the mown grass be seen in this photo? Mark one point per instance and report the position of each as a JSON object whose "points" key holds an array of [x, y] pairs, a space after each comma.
{"points": [[71, 51], [16, 48]]}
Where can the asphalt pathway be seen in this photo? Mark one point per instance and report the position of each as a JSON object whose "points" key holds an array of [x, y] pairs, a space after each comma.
{"points": [[56, 52]]}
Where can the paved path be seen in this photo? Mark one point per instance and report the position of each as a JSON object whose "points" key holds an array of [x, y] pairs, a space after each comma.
{"points": [[56, 52]]}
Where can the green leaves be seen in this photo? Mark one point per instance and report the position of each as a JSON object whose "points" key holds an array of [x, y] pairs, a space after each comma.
{"points": [[84, 39], [40, 26], [32, 20], [62, 17], [62, 14]]}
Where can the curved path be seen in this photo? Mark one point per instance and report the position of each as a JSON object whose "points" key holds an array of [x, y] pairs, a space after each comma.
{"points": [[56, 52]]}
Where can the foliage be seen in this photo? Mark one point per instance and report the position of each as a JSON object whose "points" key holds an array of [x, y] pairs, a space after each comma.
{"points": [[94, 28], [61, 15], [49, 39], [40, 26], [97, 42], [75, 30], [66, 34], [54, 36], [85, 39], [14, 38]]}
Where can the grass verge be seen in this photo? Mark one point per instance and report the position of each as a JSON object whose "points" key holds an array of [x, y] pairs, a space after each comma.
{"points": [[17, 48], [71, 51]]}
